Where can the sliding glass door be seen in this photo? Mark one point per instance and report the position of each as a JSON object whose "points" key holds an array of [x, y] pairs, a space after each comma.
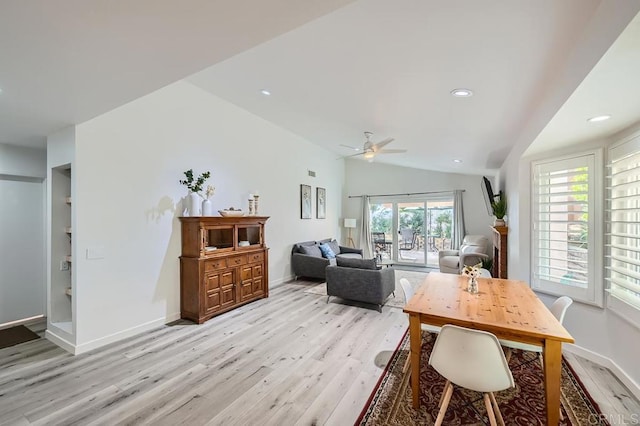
{"points": [[410, 230]]}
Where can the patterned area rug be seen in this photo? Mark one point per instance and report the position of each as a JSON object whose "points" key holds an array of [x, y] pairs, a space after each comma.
{"points": [[397, 301], [390, 402]]}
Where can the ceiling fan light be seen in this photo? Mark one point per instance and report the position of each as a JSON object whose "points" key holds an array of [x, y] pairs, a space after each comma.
{"points": [[369, 155]]}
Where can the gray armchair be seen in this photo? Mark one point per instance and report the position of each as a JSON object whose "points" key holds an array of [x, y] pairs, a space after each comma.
{"points": [[472, 251], [362, 285]]}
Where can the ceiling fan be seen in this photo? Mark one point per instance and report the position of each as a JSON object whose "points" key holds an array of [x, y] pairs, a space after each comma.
{"points": [[369, 150]]}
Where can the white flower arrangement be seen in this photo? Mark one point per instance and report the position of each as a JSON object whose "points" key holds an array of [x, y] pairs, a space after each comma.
{"points": [[210, 191], [472, 271]]}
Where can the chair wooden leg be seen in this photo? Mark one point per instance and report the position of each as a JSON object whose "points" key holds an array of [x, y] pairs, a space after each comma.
{"points": [[445, 403], [496, 408], [487, 404], [407, 363], [507, 354], [446, 386]]}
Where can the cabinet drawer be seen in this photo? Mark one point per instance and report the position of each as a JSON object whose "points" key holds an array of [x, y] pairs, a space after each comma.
{"points": [[236, 261], [256, 257], [212, 265]]}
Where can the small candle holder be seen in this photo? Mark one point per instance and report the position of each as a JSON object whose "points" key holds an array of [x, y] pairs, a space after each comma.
{"points": [[255, 203], [251, 207]]}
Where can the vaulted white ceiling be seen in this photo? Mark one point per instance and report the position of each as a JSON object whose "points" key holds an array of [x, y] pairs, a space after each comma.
{"points": [[335, 68]]}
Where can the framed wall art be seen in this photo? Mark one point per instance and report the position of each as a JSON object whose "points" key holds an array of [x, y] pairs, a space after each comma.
{"points": [[305, 202], [321, 205]]}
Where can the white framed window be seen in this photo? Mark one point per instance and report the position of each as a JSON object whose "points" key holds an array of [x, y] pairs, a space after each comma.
{"points": [[623, 229], [567, 233]]}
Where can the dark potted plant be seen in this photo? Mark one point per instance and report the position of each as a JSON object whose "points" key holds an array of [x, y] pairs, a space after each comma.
{"points": [[499, 209]]}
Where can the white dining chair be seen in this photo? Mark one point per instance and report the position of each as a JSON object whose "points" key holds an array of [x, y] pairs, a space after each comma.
{"points": [[408, 294], [485, 273], [472, 359], [558, 309]]}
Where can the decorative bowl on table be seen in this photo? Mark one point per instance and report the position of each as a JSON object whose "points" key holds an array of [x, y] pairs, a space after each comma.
{"points": [[230, 213]]}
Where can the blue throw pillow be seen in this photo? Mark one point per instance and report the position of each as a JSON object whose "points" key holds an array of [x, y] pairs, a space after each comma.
{"points": [[327, 252]]}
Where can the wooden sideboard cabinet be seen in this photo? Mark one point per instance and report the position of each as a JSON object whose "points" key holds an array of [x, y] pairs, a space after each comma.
{"points": [[224, 264]]}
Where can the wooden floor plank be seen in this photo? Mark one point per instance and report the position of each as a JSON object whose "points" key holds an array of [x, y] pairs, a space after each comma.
{"points": [[289, 358]]}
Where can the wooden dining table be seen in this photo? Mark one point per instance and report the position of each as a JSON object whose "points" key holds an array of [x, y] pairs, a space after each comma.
{"points": [[507, 308]]}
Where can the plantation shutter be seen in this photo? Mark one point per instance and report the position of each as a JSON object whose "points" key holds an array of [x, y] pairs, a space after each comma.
{"points": [[623, 235], [563, 216]]}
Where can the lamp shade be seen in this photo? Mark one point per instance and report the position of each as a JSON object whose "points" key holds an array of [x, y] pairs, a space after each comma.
{"points": [[349, 223]]}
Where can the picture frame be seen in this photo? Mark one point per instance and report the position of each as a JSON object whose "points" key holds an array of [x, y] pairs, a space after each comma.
{"points": [[321, 203], [305, 201]]}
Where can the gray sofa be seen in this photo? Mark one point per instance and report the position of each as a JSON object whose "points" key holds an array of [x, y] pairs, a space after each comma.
{"points": [[360, 280], [307, 259]]}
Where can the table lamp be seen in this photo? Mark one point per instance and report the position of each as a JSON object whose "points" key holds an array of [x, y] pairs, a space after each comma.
{"points": [[350, 224]]}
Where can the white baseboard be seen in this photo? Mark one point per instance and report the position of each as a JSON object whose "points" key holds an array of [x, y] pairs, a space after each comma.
{"points": [[281, 281], [115, 337], [60, 341], [607, 363]]}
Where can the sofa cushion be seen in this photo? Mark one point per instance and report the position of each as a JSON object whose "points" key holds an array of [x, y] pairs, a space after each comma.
{"points": [[335, 247], [348, 262], [327, 251], [313, 250], [349, 255]]}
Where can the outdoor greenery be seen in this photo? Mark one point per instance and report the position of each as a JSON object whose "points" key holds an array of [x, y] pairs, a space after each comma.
{"points": [[412, 218]]}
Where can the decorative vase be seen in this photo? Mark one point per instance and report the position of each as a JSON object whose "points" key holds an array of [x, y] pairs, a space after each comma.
{"points": [[207, 207], [472, 287], [193, 204], [498, 222]]}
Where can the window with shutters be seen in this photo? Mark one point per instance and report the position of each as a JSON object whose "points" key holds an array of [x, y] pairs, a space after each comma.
{"points": [[567, 235], [623, 228]]}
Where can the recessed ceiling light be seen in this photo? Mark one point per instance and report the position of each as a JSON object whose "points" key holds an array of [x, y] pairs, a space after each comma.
{"points": [[265, 92], [457, 160], [461, 93], [598, 118]]}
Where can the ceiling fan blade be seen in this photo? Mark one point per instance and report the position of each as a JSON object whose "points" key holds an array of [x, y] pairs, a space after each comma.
{"points": [[351, 147], [391, 151], [380, 144], [353, 155]]}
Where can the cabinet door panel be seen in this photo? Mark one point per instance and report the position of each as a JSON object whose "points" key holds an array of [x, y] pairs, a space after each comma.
{"points": [[246, 290], [228, 295], [212, 302], [246, 273], [228, 278], [257, 286], [212, 281]]}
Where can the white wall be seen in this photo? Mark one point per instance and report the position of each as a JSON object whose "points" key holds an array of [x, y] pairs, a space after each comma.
{"points": [[23, 162], [362, 177], [595, 329], [127, 200], [22, 243]]}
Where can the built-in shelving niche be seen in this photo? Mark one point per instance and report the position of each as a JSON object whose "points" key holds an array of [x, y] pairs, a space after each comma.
{"points": [[61, 237]]}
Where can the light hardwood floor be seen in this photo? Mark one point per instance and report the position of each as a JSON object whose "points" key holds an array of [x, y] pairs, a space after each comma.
{"points": [[289, 359]]}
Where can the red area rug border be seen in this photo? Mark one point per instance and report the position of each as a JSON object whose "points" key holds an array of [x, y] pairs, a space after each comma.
{"points": [[382, 376]]}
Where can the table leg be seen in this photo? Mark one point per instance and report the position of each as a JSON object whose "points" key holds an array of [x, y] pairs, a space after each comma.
{"points": [[552, 358], [415, 336]]}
